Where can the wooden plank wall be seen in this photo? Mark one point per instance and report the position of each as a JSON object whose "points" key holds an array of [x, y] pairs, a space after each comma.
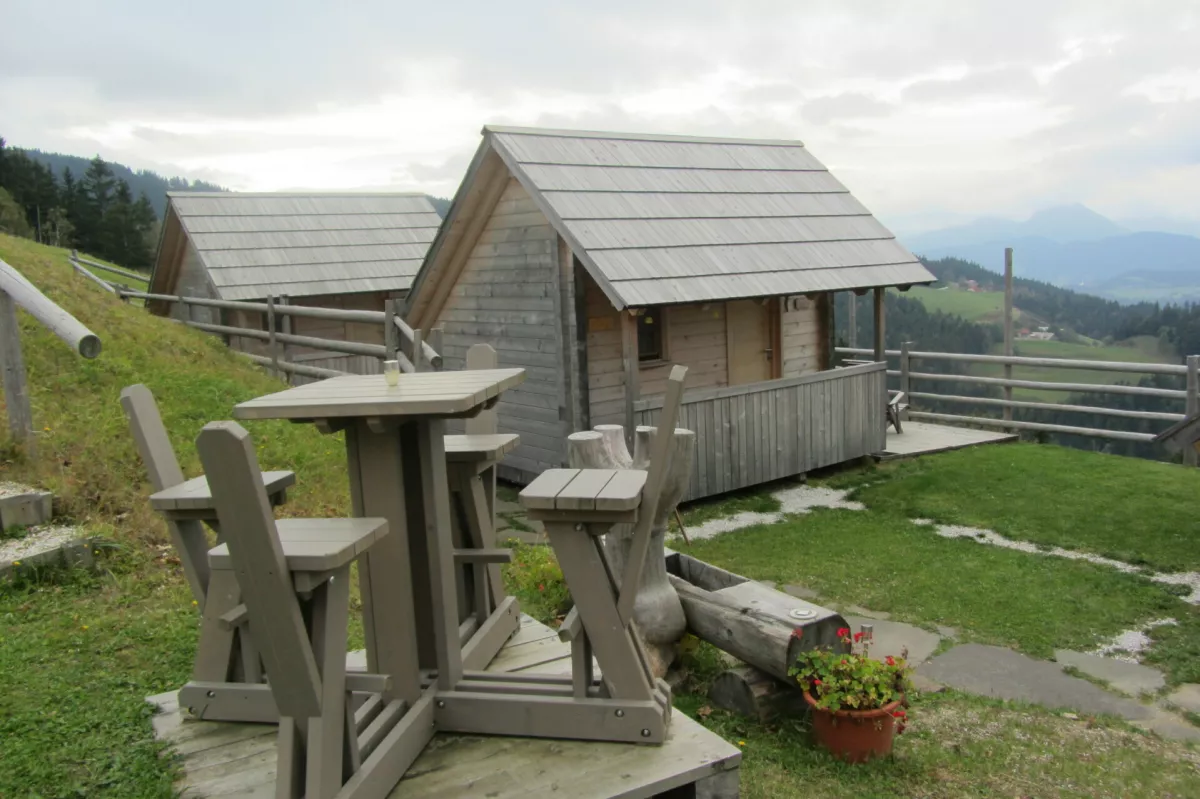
{"points": [[369, 333], [695, 339], [747, 435], [506, 297], [800, 334], [193, 282]]}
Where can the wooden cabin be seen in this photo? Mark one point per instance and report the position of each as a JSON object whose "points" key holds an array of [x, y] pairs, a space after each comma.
{"points": [[596, 260], [351, 251]]}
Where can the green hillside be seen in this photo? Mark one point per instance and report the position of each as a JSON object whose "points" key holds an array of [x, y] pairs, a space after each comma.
{"points": [[91, 649]]}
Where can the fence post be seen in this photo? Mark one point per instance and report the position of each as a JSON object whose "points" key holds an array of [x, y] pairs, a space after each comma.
{"points": [[1190, 456], [16, 392], [904, 345], [435, 341], [391, 335], [416, 350], [287, 331], [272, 343], [1008, 330]]}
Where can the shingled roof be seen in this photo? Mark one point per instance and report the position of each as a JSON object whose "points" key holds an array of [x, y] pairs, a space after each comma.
{"points": [[294, 244], [672, 219]]}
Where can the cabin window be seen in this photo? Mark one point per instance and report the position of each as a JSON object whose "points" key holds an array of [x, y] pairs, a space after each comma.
{"points": [[652, 335]]}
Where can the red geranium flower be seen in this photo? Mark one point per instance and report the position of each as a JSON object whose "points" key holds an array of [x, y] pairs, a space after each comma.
{"points": [[843, 632], [816, 681], [858, 636], [891, 661]]}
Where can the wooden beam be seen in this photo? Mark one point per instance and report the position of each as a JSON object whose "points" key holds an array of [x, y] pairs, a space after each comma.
{"points": [[880, 324], [629, 361], [492, 181]]}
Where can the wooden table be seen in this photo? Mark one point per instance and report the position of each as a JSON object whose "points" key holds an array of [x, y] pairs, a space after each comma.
{"points": [[397, 463]]}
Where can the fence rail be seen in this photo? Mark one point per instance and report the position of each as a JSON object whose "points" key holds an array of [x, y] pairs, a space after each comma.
{"points": [[1189, 396], [401, 343], [15, 291]]}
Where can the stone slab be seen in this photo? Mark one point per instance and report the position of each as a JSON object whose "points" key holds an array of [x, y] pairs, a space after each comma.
{"points": [[924, 685], [1168, 725], [874, 614], [1004, 674], [26, 510], [1186, 697], [1129, 678], [893, 637], [800, 592]]}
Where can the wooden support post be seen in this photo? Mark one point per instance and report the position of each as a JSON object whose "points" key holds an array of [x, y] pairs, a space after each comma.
{"points": [[1190, 456], [629, 361], [272, 343], [1008, 329], [435, 341], [391, 334], [852, 321], [880, 325], [904, 372], [417, 340], [287, 331], [16, 392]]}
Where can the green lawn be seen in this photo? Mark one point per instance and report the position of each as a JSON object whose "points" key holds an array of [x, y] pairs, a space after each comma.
{"points": [[974, 306], [1138, 511]]}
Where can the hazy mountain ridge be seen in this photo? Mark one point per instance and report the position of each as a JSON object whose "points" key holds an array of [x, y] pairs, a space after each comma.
{"points": [[1074, 247]]}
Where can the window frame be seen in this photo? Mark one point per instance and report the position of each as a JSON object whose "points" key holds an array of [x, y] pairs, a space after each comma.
{"points": [[660, 315]]}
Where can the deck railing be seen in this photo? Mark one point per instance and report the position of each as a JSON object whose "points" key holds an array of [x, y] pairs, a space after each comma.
{"points": [[916, 385], [755, 433]]}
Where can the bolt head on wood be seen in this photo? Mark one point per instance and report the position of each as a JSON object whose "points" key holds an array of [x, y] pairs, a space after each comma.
{"points": [[620, 714]]}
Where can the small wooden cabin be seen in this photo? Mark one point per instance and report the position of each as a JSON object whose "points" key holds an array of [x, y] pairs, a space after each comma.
{"points": [[595, 260], [350, 251]]}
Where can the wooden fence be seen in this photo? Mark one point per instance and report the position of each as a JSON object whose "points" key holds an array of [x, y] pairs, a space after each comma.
{"points": [[755, 433], [335, 356], [16, 290], [917, 386]]}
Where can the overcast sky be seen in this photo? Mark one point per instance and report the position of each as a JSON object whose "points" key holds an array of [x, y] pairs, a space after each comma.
{"points": [[928, 111]]}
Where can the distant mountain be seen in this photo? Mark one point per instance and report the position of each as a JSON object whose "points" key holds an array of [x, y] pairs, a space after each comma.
{"points": [[153, 184], [1074, 247]]}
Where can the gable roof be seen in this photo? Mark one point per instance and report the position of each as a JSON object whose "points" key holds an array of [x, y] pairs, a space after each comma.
{"points": [[299, 244], [672, 219]]}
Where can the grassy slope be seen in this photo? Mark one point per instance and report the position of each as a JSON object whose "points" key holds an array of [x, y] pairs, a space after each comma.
{"points": [[84, 652]]}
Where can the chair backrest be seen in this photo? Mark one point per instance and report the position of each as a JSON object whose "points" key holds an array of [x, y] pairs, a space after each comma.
{"points": [[151, 437], [262, 573], [660, 462], [482, 356]]}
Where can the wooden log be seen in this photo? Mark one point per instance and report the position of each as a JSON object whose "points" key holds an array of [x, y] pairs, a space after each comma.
{"points": [[753, 693], [43, 309], [753, 623], [656, 611]]}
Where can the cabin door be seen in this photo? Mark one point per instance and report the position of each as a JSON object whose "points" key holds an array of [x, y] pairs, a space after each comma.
{"points": [[750, 330]]}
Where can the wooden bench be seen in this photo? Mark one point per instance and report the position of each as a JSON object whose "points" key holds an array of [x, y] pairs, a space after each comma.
{"points": [[295, 577], [577, 506]]}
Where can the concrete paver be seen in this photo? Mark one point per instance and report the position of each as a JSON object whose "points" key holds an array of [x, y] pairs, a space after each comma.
{"points": [[1129, 678], [893, 637]]}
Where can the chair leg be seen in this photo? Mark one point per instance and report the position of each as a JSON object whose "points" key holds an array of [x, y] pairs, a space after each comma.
{"points": [[326, 766], [289, 756], [591, 587], [215, 651]]}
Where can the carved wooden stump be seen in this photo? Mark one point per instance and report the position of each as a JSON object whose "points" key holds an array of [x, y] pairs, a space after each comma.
{"points": [[657, 612]]}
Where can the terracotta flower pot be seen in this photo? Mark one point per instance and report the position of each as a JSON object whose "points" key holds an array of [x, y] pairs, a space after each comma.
{"points": [[854, 736]]}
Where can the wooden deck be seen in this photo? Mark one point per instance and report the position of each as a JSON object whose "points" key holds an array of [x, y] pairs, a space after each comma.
{"points": [[921, 438], [222, 759]]}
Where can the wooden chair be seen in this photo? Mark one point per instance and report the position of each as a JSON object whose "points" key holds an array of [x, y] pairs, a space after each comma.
{"points": [[225, 652], [295, 579], [471, 462], [896, 407], [577, 506]]}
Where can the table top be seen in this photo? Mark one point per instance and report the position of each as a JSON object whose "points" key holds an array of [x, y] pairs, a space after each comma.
{"points": [[420, 394]]}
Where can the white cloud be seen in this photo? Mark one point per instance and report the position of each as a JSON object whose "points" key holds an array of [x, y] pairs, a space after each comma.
{"points": [[988, 107]]}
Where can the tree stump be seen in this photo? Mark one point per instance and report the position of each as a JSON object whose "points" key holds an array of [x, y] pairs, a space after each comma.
{"points": [[657, 611]]}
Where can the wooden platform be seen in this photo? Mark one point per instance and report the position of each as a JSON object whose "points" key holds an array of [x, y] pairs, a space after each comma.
{"points": [[922, 438], [221, 759]]}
